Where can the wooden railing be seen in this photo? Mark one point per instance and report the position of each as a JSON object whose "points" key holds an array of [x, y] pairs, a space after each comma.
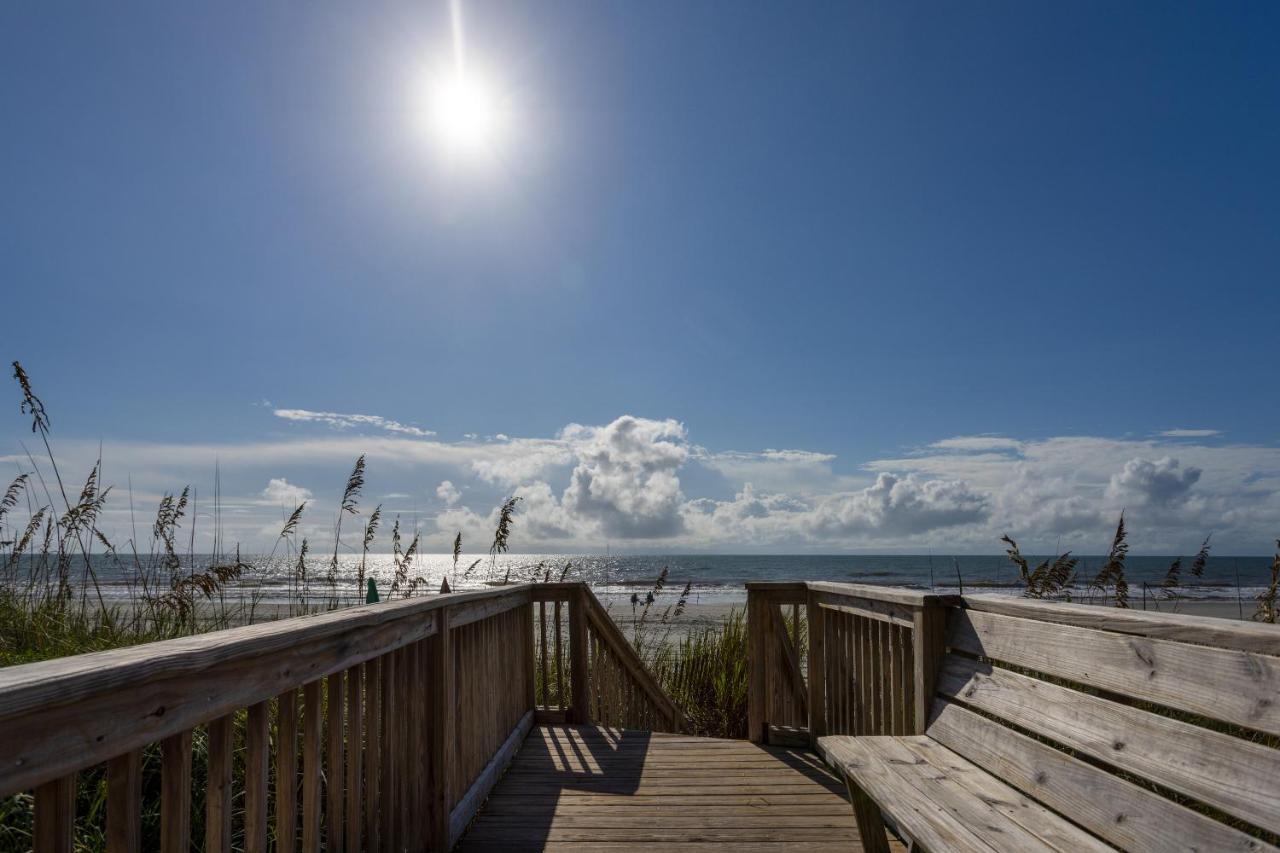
{"points": [[830, 658], [380, 727], [585, 669]]}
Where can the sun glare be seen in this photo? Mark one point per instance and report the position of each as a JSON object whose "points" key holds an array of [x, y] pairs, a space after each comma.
{"points": [[465, 116]]}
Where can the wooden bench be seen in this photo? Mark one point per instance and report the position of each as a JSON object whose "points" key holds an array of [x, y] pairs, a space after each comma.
{"points": [[1066, 727]]}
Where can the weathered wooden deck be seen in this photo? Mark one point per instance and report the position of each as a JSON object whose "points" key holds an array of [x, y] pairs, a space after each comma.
{"points": [[584, 788]]}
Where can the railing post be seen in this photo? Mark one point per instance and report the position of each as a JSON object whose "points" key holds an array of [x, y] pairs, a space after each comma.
{"points": [[817, 669], [929, 638], [440, 733], [579, 712], [757, 688]]}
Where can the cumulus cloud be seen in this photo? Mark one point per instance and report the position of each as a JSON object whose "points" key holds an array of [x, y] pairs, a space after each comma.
{"points": [[448, 493], [281, 491], [348, 421], [625, 479], [900, 505], [642, 480], [1146, 482]]}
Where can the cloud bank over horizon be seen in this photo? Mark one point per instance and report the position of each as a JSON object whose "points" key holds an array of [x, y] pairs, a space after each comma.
{"points": [[642, 484]]}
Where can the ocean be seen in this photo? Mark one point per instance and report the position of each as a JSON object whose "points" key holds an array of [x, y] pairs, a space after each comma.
{"points": [[716, 579]]}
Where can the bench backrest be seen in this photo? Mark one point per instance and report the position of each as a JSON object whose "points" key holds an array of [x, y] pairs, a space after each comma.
{"points": [[1153, 731]]}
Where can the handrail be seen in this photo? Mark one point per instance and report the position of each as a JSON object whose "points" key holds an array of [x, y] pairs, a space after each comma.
{"points": [[424, 697], [1185, 627], [644, 679], [38, 685], [587, 674], [874, 651], [885, 645]]}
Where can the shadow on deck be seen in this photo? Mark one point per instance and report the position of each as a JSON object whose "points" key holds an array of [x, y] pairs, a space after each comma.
{"points": [[583, 788]]}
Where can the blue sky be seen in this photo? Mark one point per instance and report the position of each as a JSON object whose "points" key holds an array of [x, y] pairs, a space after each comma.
{"points": [[860, 231]]}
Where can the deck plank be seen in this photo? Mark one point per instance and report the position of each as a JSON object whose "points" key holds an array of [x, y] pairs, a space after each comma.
{"points": [[583, 789]]}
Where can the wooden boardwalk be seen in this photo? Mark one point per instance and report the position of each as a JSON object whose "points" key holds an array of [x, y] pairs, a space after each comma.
{"points": [[582, 788]]}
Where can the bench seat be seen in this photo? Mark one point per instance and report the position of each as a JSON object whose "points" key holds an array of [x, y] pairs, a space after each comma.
{"points": [[943, 801]]}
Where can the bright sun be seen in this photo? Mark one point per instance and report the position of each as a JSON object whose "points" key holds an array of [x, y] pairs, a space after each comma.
{"points": [[465, 116]]}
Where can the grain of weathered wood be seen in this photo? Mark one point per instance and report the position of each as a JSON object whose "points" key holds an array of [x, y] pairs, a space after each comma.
{"points": [[312, 713], [578, 657], [38, 686], [334, 776], [373, 752], [55, 816], [935, 828], [461, 815], [892, 594], [1233, 686], [756, 668], [287, 771], [817, 667], [625, 654], [355, 758], [871, 831], [928, 640], [217, 796], [881, 611], [1203, 630], [1005, 815], [256, 764], [175, 793], [621, 811], [1125, 814], [66, 737], [1234, 775], [124, 803], [439, 737]]}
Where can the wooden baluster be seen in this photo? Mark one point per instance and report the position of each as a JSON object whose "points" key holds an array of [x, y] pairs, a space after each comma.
{"points": [[217, 797], [908, 682], [578, 656], [287, 772], [840, 673], [817, 668], [866, 719], [355, 755], [311, 712], [124, 803], [851, 650], [542, 652], [392, 744], [560, 696], [411, 813], [55, 818], [256, 763], [175, 793], [832, 655], [440, 736], [527, 652], [335, 686], [756, 672], [373, 752]]}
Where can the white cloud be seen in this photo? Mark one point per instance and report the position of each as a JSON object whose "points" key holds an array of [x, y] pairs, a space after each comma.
{"points": [[341, 421], [1190, 433], [977, 443], [900, 505], [448, 493], [641, 483], [281, 491], [625, 478], [1160, 482]]}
